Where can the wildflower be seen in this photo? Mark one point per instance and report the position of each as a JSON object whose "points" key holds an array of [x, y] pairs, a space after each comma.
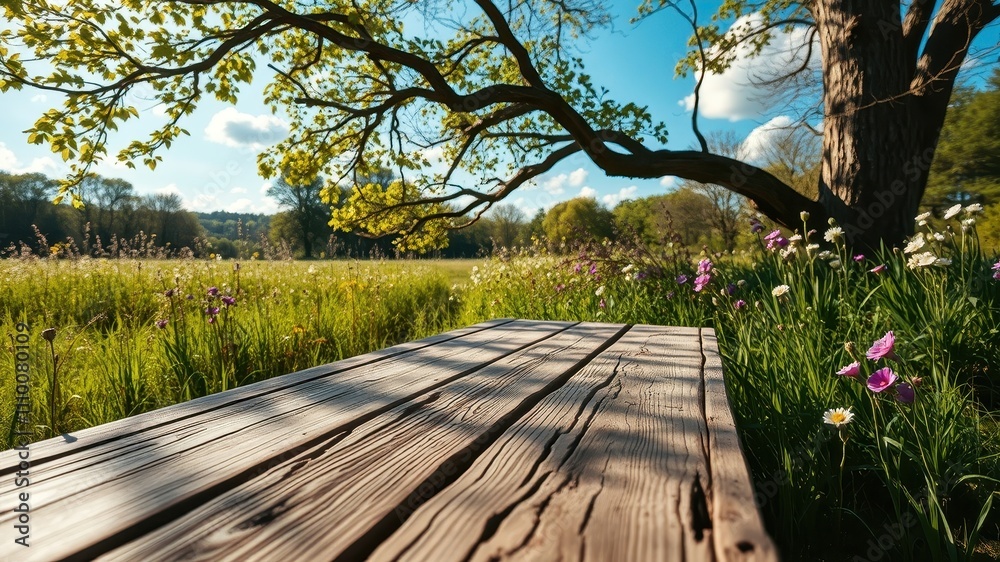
{"points": [[974, 209], [904, 393], [731, 289], [804, 215], [825, 254], [859, 257], [682, 279], [812, 248], [881, 379], [628, 268], [883, 348], [996, 271], [838, 416], [780, 290], [593, 269], [849, 347], [878, 269], [923, 216], [833, 234], [603, 304], [952, 211], [560, 287], [599, 291], [212, 310], [756, 226], [701, 281], [211, 319], [161, 324], [640, 275], [921, 260], [938, 236], [705, 266], [835, 264], [852, 370], [788, 252], [795, 238], [49, 334], [228, 301], [577, 268], [968, 223], [169, 292], [213, 291], [739, 304], [914, 244], [670, 295], [942, 262]]}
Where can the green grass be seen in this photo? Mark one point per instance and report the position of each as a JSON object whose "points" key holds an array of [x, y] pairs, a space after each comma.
{"points": [[899, 482]]}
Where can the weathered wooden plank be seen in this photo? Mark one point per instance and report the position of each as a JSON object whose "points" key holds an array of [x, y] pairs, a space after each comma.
{"points": [[739, 532], [79, 440], [340, 500], [159, 473], [607, 468]]}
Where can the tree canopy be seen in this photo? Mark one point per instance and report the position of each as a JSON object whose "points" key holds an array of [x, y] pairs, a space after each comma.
{"points": [[496, 88]]}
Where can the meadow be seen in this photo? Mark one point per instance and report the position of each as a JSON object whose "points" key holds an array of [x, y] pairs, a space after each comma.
{"points": [[863, 385]]}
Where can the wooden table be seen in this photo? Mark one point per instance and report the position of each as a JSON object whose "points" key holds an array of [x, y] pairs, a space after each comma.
{"points": [[505, 440]]}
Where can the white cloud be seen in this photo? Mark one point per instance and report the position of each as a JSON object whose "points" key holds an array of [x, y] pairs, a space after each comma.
{"points": [[264, 187], [241, 130], [668, 182], [236, 190], [623, 194], [170, 188], [554, 185], [738, 93], [202, 203], [39, 98], [243, 205], [754, 148], [577, 177], [9, 162], [588, 191]]}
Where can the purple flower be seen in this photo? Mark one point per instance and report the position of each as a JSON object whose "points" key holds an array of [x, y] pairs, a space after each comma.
{"points": [[161, 324], [213, 291], [996, 269], [593, 269], [881, 379], [169, 292], [705, 266], [879, 269], [756, 226], [641, 275], [904, 393], [228, 301], [682, 279], [602, 304], [577, 268], [773, 235], [739, 304], [731, 289], [852, 370], [859, 257], [190, 297], [212, 310], [775, 239], [701, 281], [883, 348]]}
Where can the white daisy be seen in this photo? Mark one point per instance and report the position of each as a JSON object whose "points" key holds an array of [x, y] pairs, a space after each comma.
{"points": [[780, 290], [952, 211], [914, 244], [838, 416]]}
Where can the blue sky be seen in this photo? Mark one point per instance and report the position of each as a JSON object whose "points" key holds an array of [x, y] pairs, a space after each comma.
{"points": [[215, 168]]}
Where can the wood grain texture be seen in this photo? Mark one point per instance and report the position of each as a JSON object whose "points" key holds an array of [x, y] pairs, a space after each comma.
{"points": [[606, 468], [116, 491], [739, 531], [116, 430], [340, 500]]}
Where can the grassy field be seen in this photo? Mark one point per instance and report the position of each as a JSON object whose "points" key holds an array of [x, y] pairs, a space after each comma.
{"points": [[906, 343]]}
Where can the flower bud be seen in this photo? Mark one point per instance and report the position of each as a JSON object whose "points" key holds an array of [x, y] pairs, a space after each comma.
{"points": [[49, 334], [804, 215]]}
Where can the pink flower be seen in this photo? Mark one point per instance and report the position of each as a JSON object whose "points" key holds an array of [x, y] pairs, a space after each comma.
{"points": [[228, 301], [161, 324], [602, 304], [852, 370], [213, 291], [705, 266], [859, 257], [881, 379], [701, 281], [883, 348], [682, 279], [739, 304], [904, 393], [996, 269], [879, 269]]}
